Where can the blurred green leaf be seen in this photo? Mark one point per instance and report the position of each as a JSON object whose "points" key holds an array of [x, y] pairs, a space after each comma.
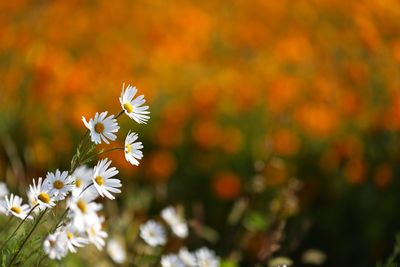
{"points": [[255, 221]]}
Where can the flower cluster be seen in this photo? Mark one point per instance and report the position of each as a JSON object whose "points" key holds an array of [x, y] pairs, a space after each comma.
{"points": [[154, 234], [203, 257], [80, 224]]}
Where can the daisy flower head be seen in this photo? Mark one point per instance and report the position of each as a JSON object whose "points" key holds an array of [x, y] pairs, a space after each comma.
{"points": [[41, 195], [132, 149], [188, 258], [73, 240], [177, 223], [82, 177], [132, 106], [83, 212], [13, 205], [171, 260], [153, 233], [102, 128], [55, 246], [59, 184], [206, 258], [96, 235], [103, 181]]}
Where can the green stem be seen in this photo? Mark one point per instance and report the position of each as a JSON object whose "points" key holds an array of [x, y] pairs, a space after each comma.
{"points": [[40, 261], [119, 114], [19, 226], [59, 220], [105, 151], [27, 237]]}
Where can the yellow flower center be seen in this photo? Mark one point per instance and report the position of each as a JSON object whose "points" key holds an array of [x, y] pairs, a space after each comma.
{"points": [[128, 148], [58, 184], [70, 235], [44, 197], [81, 205], [128, 107], [78, 182], [99, 127], [99, 180], [16, 209], [92, 231]]}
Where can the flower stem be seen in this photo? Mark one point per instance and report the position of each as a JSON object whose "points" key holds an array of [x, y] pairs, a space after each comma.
{"points": [[19, 226], [27, 237], [119, 114], [104, 151]]}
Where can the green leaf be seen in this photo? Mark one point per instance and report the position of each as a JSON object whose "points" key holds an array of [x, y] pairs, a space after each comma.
{"points": [[255, 221], [228, 263]]}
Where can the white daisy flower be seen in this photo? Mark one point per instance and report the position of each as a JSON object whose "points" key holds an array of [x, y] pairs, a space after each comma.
{"points": [[206, 258], [32, 201], [103, 181], [132, 149], [13, 205], [3, 190], [83, 211], [188, 258], [171, 260], [96, 235], [133, 106], [102, 127], [41, 195], [55, 246], [177, 223], [82, 177], [3, 193], [116, 250], [73, 240], [59, 184], [153, 233]]}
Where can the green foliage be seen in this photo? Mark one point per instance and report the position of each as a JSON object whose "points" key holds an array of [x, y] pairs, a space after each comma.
{"points": [[393, 260], [228, 263], [255, 221]]}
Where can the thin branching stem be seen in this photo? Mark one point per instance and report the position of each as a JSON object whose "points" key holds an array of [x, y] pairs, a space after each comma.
{"points": [[104, 151], [19, 226], [27, 237], [119, 114]]}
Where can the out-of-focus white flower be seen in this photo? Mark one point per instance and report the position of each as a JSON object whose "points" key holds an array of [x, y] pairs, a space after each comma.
{"points": [[32, 201], [3, 190], [55, 246], [73, 240], [177, 223], [41, 195], [133, 106], [96, 235], [82, 177], [13, 205], [59, 184], [103, 181], [83, 211], [102, 127], [116, 250], [188, 258], [206, 258], [171, 260], [132, 149], [153, 233]]}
